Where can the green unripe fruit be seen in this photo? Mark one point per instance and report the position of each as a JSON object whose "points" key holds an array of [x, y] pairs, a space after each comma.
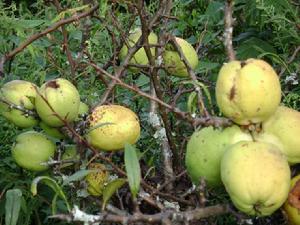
{"points": [[173, 63], [70, 153], [282, 129], [205, 150], [256, 176], [248, 92], [63, 97], [140, 57], [31, 149], [22, 94], [51, 131]]}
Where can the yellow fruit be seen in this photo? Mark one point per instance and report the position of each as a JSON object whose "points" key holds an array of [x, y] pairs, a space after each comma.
{"points": [[292, 205], [20, 93], [111, 126], [248, 92], [63, 97], [96, 180], [31, 149], [256, 176], [282, 129], [140, 57], [173, 63], [205, 150]]}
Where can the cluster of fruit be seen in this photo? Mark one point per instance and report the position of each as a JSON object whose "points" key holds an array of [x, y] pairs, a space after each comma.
{"points": [[55, 104], [172, 60], [251, 158]]}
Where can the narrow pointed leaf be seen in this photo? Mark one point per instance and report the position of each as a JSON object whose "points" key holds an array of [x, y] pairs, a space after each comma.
{"points": [[133, 169], [12, 206]]}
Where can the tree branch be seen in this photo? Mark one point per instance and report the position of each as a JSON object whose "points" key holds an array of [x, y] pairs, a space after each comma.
{"points": [[228, 20]]}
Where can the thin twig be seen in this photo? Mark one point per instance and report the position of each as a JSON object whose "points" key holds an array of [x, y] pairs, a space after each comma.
{"points": [[36, 36]]}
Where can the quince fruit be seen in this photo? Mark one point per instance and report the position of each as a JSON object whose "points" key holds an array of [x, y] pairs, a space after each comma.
{"points": [[64, 99], [31, 149], [140, 57], [282, 129], [248, 92], [111, 126], [22, 94], [205, 150], [292, 205], [173, 63], [256, 176], [97, 179]]}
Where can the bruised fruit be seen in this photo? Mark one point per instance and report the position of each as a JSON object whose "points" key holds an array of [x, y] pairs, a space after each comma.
{"points": [[205, 150], [248, 91], [256, 176], [112, 126], [22, 94], [51, 131], [97, 179], [31, 149], [174, 64], [140, 57], [282, 129], [292, 205], [64, 99]]}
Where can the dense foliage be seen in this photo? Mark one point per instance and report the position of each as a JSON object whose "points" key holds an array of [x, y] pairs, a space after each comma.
{"points": [[264, 29]]}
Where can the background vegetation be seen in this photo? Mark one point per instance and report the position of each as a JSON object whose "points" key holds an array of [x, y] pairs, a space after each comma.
{"points": [[262, 29]]}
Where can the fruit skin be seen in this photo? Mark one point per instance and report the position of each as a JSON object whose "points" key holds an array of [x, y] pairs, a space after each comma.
{"points": [[51, 131], [174, 65], [282, 129], [140, 57], [124, 127], [31, 149], [83, 109], [205, 150], [248, 92], [291, 212], [96, 180], [20, 93], [256, 176], [70, 153], [63, 96]]}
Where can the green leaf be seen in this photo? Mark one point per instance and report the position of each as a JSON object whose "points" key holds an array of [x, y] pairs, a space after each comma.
{"points": [[12, 206], [79, 175], [50, 183], [110, 189], [133, 169], [192, 102]]}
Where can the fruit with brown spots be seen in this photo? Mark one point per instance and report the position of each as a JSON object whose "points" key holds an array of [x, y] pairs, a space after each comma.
{"points": [[96, 179], [292, 205], [205, 150], [256, 176], [19, 93], [282, 129], [63, 98], [111, 126], [248, 92]]}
